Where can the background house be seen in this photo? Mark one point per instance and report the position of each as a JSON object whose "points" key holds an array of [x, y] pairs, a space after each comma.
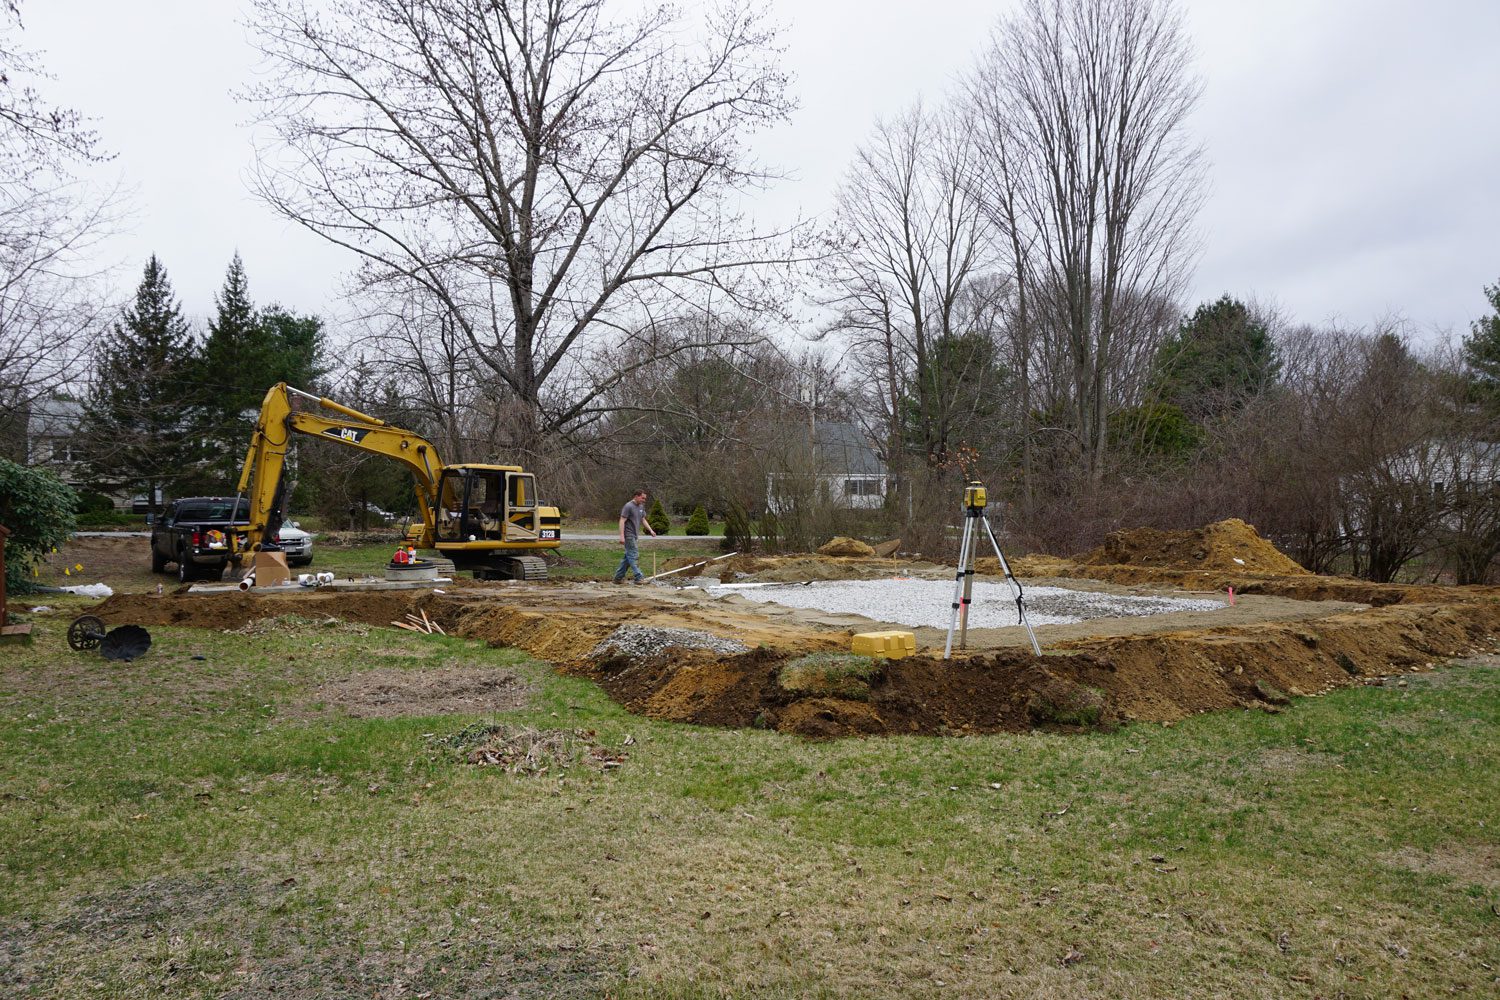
{"points": [[843, 469]]}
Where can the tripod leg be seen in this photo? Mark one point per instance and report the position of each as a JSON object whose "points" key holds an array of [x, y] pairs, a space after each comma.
{"points": [[1015, 587], [968, 602], [958, 584]]}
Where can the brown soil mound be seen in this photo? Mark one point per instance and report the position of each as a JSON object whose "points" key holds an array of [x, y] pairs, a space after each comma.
{"points": [[1157, 678], [1227, 546], [915, 695], [389, 694], [235, 609], [842, 546]]}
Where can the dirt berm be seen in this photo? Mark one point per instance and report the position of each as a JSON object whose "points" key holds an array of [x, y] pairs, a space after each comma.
{"points": [[1158, 677], [1223, 555], [1163, 677]]}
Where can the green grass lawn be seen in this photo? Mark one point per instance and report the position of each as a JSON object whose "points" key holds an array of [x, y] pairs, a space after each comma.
{"points": [[214, 828]]}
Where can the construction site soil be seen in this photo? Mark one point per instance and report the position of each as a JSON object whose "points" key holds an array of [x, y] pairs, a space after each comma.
{"points": [[1289, 634]]}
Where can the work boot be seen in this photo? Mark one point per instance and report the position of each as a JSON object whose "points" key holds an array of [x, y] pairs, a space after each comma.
{"points": [[618, 579], [639, 580]]}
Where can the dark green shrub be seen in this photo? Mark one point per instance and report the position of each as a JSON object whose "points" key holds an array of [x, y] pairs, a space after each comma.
{"points": [[738, 537], [657, 518], [91, 504], [698, 522], [38, 509]]}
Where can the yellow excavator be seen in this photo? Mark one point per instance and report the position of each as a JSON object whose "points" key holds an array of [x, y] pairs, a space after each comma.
{"points": [[485, 518]]}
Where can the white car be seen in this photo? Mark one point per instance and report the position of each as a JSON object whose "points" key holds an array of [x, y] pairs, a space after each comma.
{"points": [[296, 543]]}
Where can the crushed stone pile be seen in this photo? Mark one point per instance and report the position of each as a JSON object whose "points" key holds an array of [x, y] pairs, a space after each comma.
{"points": [[1225, 546], [644, 641], [842, 546]]}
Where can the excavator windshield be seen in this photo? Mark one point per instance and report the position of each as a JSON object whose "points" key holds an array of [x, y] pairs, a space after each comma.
{"points": [[472, 505]]}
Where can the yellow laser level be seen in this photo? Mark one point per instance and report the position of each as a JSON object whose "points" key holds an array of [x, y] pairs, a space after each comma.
{"points": [[975, 499]]}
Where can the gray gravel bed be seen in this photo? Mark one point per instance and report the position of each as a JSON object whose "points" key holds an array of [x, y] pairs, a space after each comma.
{"points": [[642, 640], [930, 602]]}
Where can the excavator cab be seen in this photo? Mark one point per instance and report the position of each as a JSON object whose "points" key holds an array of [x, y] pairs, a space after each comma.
{"points": [[471, 505], [485, 510]]}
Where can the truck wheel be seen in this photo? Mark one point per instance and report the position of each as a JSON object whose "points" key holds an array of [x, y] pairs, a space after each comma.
{"points": [[158, 563], [185, 572]]}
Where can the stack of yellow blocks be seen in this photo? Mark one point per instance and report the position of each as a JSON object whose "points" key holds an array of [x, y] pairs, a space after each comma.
{"points": [[886, 645]]}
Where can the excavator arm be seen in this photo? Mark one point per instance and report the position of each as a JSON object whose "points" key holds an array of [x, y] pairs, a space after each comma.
{"points": [[262, 481]]}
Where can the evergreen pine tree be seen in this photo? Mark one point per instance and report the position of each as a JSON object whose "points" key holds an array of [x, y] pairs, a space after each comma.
{"points": [[1482, 352], [296, 343], [237, 366], [698, 522], [657, 518], [1222, 355], [135, 434]]}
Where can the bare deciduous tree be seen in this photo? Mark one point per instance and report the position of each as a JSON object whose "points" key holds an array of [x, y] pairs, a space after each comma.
{"points": [[544, 172], [50, 301], [1093, 181], [50, 227], [912, 280], [35, 136]]}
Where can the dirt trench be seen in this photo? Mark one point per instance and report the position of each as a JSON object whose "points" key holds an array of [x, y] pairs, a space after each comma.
{"points": [[1157, 676]]}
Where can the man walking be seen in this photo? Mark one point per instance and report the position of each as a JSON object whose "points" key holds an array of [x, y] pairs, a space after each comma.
{"points": [[632, 516]]}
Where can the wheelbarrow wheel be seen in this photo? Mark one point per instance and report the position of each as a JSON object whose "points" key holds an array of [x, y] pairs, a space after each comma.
{"points": [[86, 632]]}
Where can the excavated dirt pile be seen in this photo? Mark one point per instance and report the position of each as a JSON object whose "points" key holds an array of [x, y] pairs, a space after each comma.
{"points": [[235, 610], [1007, 691], [1229, 546], [1162, 677]]}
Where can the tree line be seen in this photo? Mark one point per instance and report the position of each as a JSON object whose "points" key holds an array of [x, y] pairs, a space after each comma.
{"points": [[546, 204], [169, 412]]}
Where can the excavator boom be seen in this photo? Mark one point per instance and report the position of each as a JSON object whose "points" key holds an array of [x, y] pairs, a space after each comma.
{"points": [[472, 513]]}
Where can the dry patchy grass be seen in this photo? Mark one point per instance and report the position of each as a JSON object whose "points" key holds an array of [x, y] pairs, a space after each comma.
{"points": [[169, 828]]}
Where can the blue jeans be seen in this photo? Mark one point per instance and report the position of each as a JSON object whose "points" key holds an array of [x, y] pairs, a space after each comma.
{"points": [[630, 562]]}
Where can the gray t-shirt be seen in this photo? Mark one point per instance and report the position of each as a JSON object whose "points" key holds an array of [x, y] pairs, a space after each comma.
{"points": [[632, 514]]}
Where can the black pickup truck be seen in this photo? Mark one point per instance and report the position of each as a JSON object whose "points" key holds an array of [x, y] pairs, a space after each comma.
{"points": [[194, 533]]}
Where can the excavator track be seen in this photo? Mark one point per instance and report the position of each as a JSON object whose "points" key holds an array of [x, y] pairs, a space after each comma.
{"points": [[531, 568]]}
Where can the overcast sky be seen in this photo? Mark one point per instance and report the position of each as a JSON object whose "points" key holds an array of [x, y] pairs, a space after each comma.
{"points": [[1355, 159]]}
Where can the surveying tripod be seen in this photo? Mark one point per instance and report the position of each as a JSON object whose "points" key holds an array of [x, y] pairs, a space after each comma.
{"points": [[975, 500]]}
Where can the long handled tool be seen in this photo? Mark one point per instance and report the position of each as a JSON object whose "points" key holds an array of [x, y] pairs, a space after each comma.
{"points": [[975, 501]]}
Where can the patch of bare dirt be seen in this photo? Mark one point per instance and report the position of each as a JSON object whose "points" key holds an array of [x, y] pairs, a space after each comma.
{"points": [[236, 610], [123, 562], [1467, 864], [390, 694]]}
